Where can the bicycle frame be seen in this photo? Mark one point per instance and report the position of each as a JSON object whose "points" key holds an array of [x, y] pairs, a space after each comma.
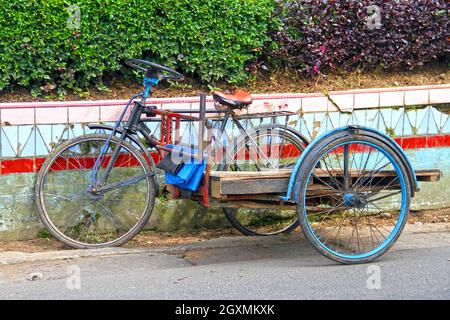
{"points": [[135, 124], [132, 126]]}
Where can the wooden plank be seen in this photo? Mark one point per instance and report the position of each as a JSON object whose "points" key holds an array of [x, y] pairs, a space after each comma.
{"points": [[248, 185], [262, 205], [250, 174], [422, 175], [431, 175], [268, 185], [214, 188], [255, 189], [256, 205], [258, 197]]}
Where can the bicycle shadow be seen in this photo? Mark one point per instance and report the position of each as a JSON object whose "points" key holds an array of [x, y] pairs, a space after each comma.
{"points": [[292, 249]]}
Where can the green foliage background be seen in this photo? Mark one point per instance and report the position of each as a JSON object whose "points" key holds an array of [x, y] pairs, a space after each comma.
{"points": [[210, 39]]}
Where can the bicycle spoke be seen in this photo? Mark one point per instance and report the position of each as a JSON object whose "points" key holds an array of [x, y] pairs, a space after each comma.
{"points": [[265, 150]]}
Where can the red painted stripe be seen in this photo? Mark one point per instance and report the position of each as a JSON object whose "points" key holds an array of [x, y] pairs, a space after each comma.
{"points": [[286, 151], [27, 165], [17, 166], [418, 142]]}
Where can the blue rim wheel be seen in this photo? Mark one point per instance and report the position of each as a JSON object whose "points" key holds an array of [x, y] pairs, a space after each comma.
{"points": [[354, 197]]}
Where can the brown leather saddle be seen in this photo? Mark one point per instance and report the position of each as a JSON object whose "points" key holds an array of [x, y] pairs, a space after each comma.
{"points": [[238, 100]]}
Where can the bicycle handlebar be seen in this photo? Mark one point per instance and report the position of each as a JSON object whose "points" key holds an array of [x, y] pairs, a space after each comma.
{"points": [[153, 69]]}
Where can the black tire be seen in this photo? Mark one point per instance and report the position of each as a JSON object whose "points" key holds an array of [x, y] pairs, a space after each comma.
{"points": [[231, 213], [47, 221], [305, 173]]}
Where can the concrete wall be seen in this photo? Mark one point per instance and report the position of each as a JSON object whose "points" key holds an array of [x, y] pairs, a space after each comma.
{"points": [[19, 220], [432, 195]]}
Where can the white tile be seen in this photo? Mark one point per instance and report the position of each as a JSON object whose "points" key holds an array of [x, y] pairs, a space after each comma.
{"points": [[391, 99], [416, 97], [315, 104], [56, 115], [343, 101], [367, 100], [112, 113], [439, 95], [17, 116], [179, 106], [84, 114]]}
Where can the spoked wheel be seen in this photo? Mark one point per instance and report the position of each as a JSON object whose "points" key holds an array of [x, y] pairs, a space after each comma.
{"points": [[83, 218], [270, 147], [354, 197]]}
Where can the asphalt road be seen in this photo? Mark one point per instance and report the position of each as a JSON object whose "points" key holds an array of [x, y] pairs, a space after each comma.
{"points": [[418, 267]]}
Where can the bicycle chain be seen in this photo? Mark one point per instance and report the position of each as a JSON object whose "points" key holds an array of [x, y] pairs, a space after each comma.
{"points": [[170, 130], [164, 128]]}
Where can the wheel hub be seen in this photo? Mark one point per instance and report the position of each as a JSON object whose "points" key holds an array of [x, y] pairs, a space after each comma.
{"points": [[94, 194], [355, 200]]}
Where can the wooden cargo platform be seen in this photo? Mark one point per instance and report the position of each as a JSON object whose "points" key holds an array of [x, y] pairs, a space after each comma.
{"points": [[269, 185]]}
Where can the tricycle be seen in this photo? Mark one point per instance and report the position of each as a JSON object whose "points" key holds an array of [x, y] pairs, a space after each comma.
{"points": [[349, 190]]}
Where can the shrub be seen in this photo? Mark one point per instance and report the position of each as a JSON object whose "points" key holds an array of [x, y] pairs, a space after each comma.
{"points": [[212, 39], [318, 33]]}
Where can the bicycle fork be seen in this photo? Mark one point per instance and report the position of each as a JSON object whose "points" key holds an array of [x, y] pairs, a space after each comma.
{"points": [[100, 185]]}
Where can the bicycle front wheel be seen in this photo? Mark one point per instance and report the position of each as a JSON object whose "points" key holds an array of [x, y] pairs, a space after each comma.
{"points": [[81, 218]]}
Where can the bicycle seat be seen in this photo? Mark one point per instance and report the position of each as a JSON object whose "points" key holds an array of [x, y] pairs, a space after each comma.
{"points": [[238, 100]]}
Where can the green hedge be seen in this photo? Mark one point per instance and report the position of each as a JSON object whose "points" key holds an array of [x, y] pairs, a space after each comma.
{"points": [[211, 39]]}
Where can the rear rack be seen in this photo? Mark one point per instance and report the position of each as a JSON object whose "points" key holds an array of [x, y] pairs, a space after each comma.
{"points": [[268, 114]]}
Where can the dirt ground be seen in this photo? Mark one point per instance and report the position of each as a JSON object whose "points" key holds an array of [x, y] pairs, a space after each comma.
{"points": [[144, 239], [276, 81], [155, 238]]}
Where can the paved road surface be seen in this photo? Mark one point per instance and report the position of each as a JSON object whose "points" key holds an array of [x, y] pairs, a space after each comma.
{"points": [[240, 268]]}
